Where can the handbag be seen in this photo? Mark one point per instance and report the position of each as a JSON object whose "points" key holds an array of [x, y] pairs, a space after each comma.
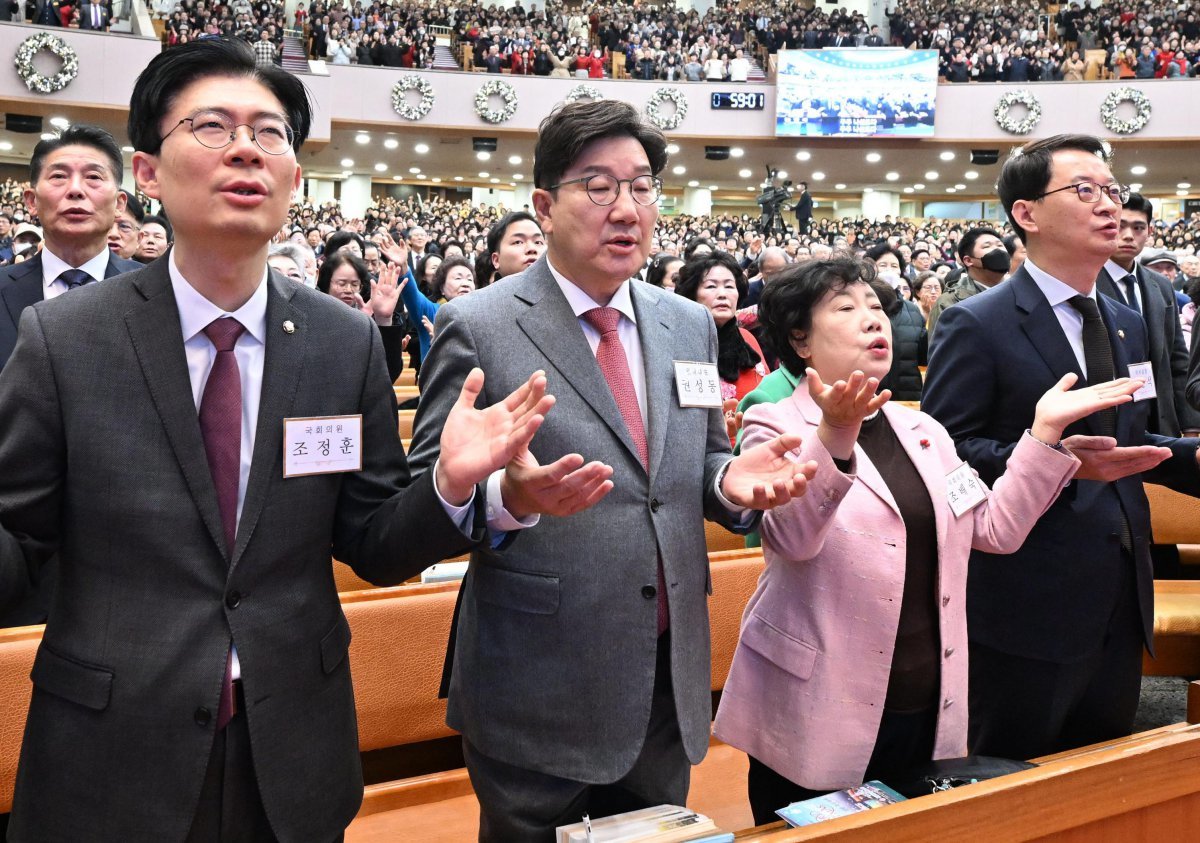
{"points": [[949, 773]]}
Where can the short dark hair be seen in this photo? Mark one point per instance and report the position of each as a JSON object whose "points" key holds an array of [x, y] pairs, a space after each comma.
{"points": [[335, 262], [563, 135], [881, 249], [787, 302], [422, 265], [159, 219], [1011, 241], [79, 134], [500, 228], [171, 71], [695, 243], [1026, 173], [966, 243], [341, 238], [658, 268], [1139, 203], [692, 273], [134, 206]]}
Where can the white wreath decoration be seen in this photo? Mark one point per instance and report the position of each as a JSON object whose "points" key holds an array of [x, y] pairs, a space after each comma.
{"points": [[1112, 102], [1018, 127], [483, 99], [667, 122], [37, 82], [400, 101], [584, 91]]}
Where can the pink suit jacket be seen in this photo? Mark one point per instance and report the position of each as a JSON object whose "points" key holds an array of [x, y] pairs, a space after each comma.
{"points": [[806, 689]]}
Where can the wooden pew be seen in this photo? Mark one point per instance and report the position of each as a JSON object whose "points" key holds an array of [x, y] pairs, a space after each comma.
{"points": [[17, 649], [1175, 519], [405, 393], [408, 377], [1176, 629], [406, 419]]}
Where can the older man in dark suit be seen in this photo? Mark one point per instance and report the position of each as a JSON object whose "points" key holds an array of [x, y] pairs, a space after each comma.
{"points": [[580, 676], [194, 440]]}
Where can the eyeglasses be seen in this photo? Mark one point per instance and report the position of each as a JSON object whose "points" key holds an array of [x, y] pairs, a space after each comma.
{"points": [[1090, 192], [604, 189], [216, 131], [340, 284]]}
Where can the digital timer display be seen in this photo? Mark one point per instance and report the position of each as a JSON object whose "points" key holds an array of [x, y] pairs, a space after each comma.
{"points": [[739, 100]]}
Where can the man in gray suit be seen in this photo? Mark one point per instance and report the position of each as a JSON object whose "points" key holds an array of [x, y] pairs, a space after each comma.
{"points": [[580, 676], [1151, 295], [194, 440]]}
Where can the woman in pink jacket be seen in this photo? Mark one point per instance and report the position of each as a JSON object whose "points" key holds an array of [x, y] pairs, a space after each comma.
{"points": [[852, 662]]}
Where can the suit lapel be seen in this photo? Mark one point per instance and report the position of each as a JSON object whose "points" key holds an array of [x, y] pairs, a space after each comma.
{"points": [[282, 366], [925, 460], [567, 349], [24, 288], [655, 335], [1042, 327], [154, 331]]}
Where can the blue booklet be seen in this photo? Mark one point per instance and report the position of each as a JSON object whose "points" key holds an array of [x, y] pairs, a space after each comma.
{"points": [[840, 803]]}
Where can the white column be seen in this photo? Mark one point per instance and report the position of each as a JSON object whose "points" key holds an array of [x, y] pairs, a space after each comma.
{"points": [[697, 201], [496, 195], [356, 196], [880, 203], [320, 191], [522, 196]]}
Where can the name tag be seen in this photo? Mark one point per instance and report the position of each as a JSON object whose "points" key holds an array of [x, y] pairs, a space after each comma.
{"points": [[964, 492], [697, 384], [322, 445], [1143, 372]]}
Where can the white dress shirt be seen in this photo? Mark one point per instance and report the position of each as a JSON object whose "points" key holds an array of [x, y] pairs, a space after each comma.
{"points": [[1118, 274], [54, 266], [1059, 296]]}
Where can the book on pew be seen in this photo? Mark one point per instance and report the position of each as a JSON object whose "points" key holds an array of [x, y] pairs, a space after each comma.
{"points": [[661, 824], [841, 803]]}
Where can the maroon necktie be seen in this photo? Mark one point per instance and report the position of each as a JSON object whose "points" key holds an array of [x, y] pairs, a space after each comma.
{"points": [[221, 427], [614, 365]]}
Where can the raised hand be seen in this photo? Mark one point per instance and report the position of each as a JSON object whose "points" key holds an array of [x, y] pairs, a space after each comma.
{"points": [[397, 253], [477, 442], [733, 419], [765, 476], [1061, 406], [427, 325], [844, 405], [385, 293], [1103, 460]]}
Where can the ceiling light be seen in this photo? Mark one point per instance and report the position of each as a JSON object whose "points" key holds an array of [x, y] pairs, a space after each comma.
{"points": [[679, 169], [712, 187], [60, 122], [48, 136], [908, 190], [1136, 186], [435, 179], [484, 174], [414, 169], [494, 180], [970, 175], [518, 176], [817, 175], [1183, 185], [1138, 170], [803, 155], [347, 162], [421, 148], [362, 139], [783, 174], [458, 178], [693, 183], [346, 174], [7, 146], [840, 186], [390, 143], [483, 155], [381, 167], [874, 157], [960, 187], [932, 175], [672, 149], [514, 160], [892, 176], [745, 173], [1181, 193], [918, 186], [868, 190], [947, 156], [752, 188], [736, 152], [951, 190]]}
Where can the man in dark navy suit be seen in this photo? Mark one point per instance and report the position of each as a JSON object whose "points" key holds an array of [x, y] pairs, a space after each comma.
{"points": [[1057, 628]]}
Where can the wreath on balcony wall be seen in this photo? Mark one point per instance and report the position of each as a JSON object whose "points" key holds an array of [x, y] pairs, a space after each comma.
{"points": [[400, 103], [1033, 112], [654, 111], [37, 82], [584, 91], [1112, 102], [483, 101]]}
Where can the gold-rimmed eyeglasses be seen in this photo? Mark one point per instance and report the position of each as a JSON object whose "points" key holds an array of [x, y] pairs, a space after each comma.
{"points": [[1090, 192], [216, 131]]}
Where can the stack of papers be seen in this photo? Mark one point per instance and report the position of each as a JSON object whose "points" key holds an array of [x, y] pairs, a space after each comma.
{"points": [[662, 824]]}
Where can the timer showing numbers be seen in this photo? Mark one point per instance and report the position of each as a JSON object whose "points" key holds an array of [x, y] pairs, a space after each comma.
{"points": [[739, 101]]}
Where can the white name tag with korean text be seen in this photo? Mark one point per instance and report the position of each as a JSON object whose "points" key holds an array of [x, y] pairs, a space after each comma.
{"points": [[322, 445], [964, 492], [697, 384], [1143, 372]]}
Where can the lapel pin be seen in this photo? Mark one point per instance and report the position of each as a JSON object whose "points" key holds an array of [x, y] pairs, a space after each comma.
{"points": [[289, 327], [924, 444], [1121, 333]]}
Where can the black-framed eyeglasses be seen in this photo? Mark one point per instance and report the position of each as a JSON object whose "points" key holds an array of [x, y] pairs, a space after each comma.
{"points": [[216, 131], [604, 189], [1090, 192]]}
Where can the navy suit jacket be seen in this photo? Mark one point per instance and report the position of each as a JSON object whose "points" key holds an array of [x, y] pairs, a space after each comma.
{"points": [[994, 356], [21, 286]]}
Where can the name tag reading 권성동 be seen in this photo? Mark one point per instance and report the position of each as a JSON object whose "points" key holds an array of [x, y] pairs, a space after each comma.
{"points": [[322, 445], [698, 384]]}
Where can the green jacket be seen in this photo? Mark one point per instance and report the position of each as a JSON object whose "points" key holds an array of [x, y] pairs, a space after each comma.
{"points": [[771, 390]]}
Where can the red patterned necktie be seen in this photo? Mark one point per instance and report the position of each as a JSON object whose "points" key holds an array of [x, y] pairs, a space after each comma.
{"points": [[614, 365], [221, 427]]}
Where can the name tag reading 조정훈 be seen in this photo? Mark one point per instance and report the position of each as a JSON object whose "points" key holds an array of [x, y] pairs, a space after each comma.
{"points": [[698, 384], [322, 445]]}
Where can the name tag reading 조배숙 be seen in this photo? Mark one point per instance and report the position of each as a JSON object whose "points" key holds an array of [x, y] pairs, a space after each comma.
{"points": [[964, 492], [698, 384], [322, 445]]}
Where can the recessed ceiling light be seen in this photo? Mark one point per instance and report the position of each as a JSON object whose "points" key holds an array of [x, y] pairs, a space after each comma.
{"points": [[494, 180], [693, 183], [60, 122], [951, 190], [892, 176], [874, 157], [484, 174], [347, 162], [803, 155], [970, 175], [518, 176], [672, 149], [908, 190], [458, 178], [712, 187], [736, 152], [817, 175], [48, 136], [483, 155], [512, 184], [362, 139], [1138, 170], [435, 179], [514, 160], [751, 188], [381, 167], [918, 186], [1181, 193], [346, 174], [868, 190], [421, 148], [7, 146], [932, 175], [745, 173], [390, 143], [1136, 186], [947, 156], [783, 174], [414, 169], [679, 169], [960, 187], [840, 186], [1184, 185]]}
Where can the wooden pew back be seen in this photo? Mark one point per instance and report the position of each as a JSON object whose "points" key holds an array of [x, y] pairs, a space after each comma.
{"points": [[17, 649]]}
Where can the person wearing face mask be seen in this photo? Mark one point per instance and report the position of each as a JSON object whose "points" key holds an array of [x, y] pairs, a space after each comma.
{"points": [[986, 260]]}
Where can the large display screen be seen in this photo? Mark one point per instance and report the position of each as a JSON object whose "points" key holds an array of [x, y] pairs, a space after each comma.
{"points": [[865, 92]]}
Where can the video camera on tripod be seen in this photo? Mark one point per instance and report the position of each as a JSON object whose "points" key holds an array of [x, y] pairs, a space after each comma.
{"points": [[772, 199]]}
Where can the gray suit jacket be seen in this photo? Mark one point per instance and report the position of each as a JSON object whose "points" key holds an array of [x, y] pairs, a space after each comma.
{"points": [[1168, 353], [102, 461], [553, 662]]}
